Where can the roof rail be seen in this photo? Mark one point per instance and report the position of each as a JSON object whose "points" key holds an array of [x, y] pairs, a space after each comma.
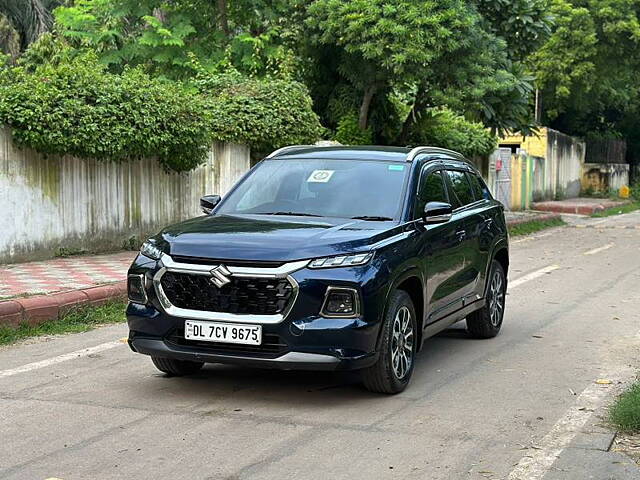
{"points": [[279, 151], [424, 149]]}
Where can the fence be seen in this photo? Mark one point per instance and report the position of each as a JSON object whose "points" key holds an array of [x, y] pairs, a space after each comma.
{"points": [[49, 203], [606, 151]]}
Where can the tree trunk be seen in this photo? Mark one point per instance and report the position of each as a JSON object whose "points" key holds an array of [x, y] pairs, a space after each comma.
{"points": [[364, 107], [418, 105], [222, 17]]}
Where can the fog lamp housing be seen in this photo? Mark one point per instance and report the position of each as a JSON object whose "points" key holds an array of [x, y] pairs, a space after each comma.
{"points": [[136, 290], [341, 302]]}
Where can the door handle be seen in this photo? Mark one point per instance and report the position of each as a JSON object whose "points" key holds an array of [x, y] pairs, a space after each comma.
{"points": [[488, 221], [461, 234]]}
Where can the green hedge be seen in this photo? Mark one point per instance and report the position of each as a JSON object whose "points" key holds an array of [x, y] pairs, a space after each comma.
{"points": [[265, 113], [76, 107]]}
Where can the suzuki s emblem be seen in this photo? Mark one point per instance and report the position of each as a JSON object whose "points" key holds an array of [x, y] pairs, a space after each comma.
{"points": [[220, 276]]}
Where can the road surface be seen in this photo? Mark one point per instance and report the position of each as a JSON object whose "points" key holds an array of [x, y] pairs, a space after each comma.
{"points": [[506, 408]]}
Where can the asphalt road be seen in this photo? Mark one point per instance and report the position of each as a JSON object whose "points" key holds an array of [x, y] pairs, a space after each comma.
{"points": [[475, 408]]}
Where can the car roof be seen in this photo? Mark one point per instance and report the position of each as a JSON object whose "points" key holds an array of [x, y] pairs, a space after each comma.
{"points": [[398, 154]]}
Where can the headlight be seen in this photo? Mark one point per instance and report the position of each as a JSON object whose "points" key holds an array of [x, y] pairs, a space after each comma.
{"points": [[149, 249], [341, 260]]}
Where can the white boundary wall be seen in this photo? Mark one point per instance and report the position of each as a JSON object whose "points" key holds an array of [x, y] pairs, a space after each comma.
{"points": [[49, 202]]}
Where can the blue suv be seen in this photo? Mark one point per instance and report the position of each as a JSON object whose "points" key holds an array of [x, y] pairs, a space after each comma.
{"points": [[325, 258]]}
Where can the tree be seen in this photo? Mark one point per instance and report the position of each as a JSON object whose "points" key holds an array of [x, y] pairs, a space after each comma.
{"points": [[380, 42], [9, 38], [523, 24], [176, 38], [403, 59], [29, 18], [588, 69]]}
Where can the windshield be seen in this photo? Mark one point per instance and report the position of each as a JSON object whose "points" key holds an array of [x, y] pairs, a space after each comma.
{"points": [[329, 188]]}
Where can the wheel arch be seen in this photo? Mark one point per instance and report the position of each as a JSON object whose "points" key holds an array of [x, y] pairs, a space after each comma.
{"points": [[411, 281], [501, 255]]}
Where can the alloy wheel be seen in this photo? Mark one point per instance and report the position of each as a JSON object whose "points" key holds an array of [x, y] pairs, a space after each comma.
{"points": [[496, 299], [402, 339]]}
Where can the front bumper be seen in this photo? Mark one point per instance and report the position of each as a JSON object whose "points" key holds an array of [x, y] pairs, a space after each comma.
{"points": [[299, 339], [288, 361], [314, 343]]}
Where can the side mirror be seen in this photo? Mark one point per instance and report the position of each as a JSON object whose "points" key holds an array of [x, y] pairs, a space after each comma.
{"points": [[209, 202], [437, 212]]}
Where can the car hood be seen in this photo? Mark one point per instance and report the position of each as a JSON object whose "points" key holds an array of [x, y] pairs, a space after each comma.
{"points": [[262, 238]]}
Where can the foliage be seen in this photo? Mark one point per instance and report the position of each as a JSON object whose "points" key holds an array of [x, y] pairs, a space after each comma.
{"points": [[350, 133], [533, 226], [399, 37], [264, 114], [626, 208], [74, 106], [588, 69], [81, 319], [77, 108], [625, 412], [522, 24], [166, 36], [378, 42], [444, 128], [388, 62]]}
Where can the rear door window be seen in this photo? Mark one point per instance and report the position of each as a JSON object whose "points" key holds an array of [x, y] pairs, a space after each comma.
{"points": [[459, 189], [480, 190]]}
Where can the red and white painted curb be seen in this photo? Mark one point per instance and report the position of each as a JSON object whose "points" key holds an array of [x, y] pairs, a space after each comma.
{"points": [[41, 308]]}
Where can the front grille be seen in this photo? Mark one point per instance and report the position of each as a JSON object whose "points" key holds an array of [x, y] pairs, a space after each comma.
{"points": [[243, 296], [272, 345]]}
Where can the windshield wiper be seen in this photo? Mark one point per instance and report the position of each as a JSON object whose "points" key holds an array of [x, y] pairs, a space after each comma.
{"points": [[372, 218], [297, 214]]}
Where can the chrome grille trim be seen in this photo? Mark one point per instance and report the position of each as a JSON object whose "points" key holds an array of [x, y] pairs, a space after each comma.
{"points": [[284, 271]]}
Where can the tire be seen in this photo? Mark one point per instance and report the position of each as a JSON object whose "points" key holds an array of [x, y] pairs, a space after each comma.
{"points": [[486, 322], [176, 368], [387, 375]]}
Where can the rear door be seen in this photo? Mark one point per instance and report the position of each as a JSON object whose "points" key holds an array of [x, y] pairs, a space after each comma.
{"points": [[464, 282], [479, 232]]}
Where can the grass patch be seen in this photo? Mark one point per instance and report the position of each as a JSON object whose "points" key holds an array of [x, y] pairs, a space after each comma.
{"points": [[534, 226], [629, 207], [81, 320], [625, 413]]}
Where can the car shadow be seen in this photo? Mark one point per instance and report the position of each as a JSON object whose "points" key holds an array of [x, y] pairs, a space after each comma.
{"points": [[277, 386]]}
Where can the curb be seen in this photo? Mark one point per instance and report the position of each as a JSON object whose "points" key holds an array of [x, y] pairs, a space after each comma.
{"points": [[40, 308], [577, 208]]}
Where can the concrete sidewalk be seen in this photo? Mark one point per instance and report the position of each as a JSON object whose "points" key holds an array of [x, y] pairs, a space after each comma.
{"points": [[62, 274], [38, 291]]}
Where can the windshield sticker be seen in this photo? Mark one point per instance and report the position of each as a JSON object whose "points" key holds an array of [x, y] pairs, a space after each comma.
{"points": [[320, 176], [396, 168]]}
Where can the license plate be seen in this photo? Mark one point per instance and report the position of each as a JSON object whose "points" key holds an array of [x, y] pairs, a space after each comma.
{"points": [[223, 332]]}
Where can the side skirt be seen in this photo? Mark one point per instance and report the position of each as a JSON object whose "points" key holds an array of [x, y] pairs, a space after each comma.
{"points": [[444, 323]]}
